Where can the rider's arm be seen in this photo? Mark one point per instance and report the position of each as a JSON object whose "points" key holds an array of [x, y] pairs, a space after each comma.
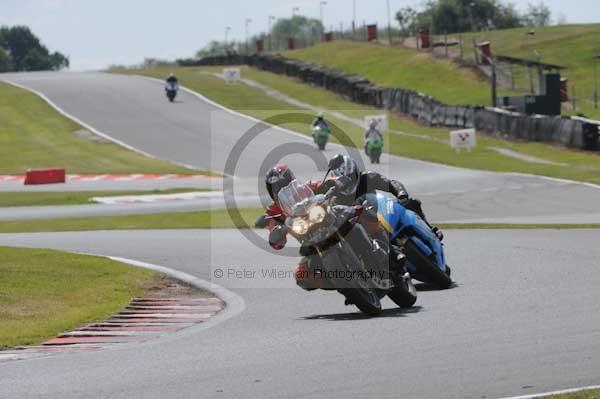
{"points": [[275, 224], [371, 181]]}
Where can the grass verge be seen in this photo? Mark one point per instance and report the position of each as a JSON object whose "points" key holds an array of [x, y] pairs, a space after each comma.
{"points": [[579, 165], [400, 67], [44, 292], [42, 198], [573, 46], [34, 135], [591, 394], [173, 220], [217, 219]]}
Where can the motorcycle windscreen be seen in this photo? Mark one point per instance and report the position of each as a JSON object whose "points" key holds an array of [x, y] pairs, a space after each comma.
{"points": [[296, 199]]}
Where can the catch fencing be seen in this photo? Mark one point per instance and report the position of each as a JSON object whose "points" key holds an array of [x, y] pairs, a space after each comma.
{"points": [[571, 132]]}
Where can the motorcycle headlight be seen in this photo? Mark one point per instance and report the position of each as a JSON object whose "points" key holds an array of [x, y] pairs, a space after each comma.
{"points": [[299, 226], [316, 214]]}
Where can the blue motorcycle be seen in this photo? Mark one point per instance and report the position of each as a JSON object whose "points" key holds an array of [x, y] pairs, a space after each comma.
{"points": [[424, 251]]}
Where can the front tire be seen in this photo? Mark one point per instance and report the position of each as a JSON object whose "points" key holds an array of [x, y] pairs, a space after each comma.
{"points": [[404, 294], [426, 267], [366, 300]]}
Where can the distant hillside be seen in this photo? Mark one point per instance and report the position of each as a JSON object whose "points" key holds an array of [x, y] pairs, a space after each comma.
{"points": [[569, 45]]}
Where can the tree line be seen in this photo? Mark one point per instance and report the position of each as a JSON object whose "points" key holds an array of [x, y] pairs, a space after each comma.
{"points": [[440, 16], [303, 29], [21, 50], [453, 16]]}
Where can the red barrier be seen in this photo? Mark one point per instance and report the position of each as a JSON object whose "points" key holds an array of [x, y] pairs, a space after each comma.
{"points": [[564, 90], [425, 38], [45, 176], [291, 43], [486, 52], [372, 32], [260, 46]]}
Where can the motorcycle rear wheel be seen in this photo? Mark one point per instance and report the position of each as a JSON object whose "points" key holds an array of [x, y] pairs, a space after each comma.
{"points": [[425, 266]]}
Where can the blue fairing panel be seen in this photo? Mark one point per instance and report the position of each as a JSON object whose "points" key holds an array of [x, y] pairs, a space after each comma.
{"points": [[395, 218]]}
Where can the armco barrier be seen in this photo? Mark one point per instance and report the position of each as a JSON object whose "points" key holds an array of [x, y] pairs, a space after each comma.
{"points": [[567, 131], [45, 176]]}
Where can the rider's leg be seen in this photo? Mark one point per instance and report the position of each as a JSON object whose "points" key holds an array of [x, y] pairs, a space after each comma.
{"points": [[373, 251], [415, 205]]}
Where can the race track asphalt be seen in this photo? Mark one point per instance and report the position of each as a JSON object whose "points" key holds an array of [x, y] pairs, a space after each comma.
{"points": [[524, 316], [195, 132]]}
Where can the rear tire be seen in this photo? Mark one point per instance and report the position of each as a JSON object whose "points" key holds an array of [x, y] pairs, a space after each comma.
{"points": [[426, 267]]}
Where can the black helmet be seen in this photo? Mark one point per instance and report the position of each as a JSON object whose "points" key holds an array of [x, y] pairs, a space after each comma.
{"points": [[277, 178], [347, 172]]}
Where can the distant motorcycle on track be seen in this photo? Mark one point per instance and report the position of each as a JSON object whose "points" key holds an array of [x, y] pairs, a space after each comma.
{"points": [[171, 90], [373, 149], [321, 136]]}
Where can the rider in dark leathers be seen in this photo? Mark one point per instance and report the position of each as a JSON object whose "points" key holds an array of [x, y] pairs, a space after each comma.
{"points": [[172, 79], [358, 183]]}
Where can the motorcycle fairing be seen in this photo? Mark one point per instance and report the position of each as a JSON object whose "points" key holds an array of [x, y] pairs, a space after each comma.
{"points": [[397, 220]]}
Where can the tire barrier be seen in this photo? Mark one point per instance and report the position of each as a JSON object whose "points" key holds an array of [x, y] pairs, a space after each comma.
{"points": [[571, 132]]}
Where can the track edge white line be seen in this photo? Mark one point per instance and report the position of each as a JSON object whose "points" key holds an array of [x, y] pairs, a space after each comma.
{"points": [[93, 129], [545, 394], [256, 120]]}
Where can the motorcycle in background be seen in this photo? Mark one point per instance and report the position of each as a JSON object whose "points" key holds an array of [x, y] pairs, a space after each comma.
{"points": [[373, 150], [321, 136], [171, 89]]}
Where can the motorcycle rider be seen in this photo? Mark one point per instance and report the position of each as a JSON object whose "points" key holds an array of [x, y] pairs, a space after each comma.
{"points": [[355, 184], [372, 134], [172, 79], [320, 121], [280, 176]]}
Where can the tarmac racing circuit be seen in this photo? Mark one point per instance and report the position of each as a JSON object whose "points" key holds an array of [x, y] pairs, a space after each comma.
{"points": [[523, 318]]}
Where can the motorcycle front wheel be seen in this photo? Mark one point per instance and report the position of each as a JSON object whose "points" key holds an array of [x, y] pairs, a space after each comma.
{"points": [[404, 294], [426, 267], [365, 299]]}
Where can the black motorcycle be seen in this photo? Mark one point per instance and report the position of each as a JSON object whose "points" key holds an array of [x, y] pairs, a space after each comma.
{"points": [[341, 253]]}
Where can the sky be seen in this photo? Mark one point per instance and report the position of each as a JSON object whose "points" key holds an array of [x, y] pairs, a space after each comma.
{"points": [[98, 33]]}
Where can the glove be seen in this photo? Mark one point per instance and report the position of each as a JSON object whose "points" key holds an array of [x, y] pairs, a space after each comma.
{"points": [[277, 237], [369, 212], [307, 251]]}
